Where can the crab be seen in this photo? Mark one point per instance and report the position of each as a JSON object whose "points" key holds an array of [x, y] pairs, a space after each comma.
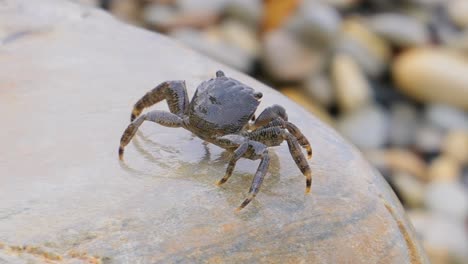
{"points": [[222, 112]]}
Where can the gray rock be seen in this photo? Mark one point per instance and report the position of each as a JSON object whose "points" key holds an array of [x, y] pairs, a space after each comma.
{"points": [[399, 29], [248, 12], [366, 127], [160, 16], [368, 62], [317, 24], [351, 86], [286, 59], [428, 138], [446, 117], [240, 35], [210, 6], [63, 191], [319, 87], [411, 190], [448, 198], [403, 124]]}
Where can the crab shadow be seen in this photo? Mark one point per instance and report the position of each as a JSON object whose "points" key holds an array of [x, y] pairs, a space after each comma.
{"points": [[212, 161]]}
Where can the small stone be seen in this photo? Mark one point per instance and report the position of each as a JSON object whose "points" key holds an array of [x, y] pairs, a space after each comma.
{"points": [[215, 6], [428, 138], [403, 124], [166, 18], [374, 45], [399, 161], [319, 88], [399, 29], [446, 117], [455, 145], [240, 35], [458, 12], [126, 10], [93, 3], [445, 239], [447, 198], [351, 86], [411, 190], [286, 59], [317, 24], [249, 12], [366, 127], [368, 62], [432, 75], [444, 169]]}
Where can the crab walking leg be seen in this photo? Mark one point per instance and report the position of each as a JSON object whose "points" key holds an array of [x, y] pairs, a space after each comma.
{"points": [[161, 117], [294, 130], [258, 178], [238, 153], [273, 136], [270, 113], [299, 158], [174, 92]]}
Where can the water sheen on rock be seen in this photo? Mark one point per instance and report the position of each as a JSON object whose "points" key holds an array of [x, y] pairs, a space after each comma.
{"points": [[69, 78]]}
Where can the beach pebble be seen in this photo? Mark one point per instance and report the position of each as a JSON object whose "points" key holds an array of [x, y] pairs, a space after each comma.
{"points": [[403, 124], [351, 86], [432, 75], [447, 198], [399, 29], [319, 87], [446, 117], [409, 188], [367, 127], [317, 24], [455, 145], [287, 59], [444, 169]]}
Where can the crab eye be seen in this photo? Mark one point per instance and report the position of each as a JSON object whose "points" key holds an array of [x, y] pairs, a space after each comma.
{"points": [[258, 95]]}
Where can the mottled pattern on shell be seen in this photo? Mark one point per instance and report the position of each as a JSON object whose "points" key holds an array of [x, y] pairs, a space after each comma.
{"points": [[222, 106]]}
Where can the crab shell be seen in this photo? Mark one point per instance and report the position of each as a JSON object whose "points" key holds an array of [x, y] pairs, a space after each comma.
{"points": [[222, 106]]}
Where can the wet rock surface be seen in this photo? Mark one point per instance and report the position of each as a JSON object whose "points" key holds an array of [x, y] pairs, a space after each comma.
{"points": [[71, 75]]}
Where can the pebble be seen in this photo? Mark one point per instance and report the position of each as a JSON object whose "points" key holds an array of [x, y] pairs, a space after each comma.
{"points": [[212, 44], [159, 16], [446, 117], [369, 63], [455, 145], [351, 86], [317, 24], [399, 29], [445, 240], [286, 59], [240, 35], [367, 127], [458, 12], [432, 75], [447, 198], [410, 189], [211, 6], [126, 10], [319, 88], [248, 12], [398, 160], [374, 46], [403, 124], [428, 138], [444, 169]]}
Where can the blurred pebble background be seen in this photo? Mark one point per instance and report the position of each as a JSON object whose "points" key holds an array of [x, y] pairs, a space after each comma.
{"points": [[391, 76]]}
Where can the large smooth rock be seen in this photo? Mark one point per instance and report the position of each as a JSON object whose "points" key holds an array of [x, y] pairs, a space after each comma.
{"points": [[68, 81]]}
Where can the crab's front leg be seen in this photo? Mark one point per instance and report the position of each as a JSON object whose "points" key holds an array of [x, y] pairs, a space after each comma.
{"points": [[175, 94], [276, 116], [161, 117]]}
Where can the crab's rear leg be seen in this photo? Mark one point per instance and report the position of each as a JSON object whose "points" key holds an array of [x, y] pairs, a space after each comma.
{"points": [[161, 117], [238, 153], [259, 175], [174, 92], [273, 136]]}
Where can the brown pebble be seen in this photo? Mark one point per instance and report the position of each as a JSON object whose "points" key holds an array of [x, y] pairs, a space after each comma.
{"points": [[444, 169], [455, 145]]}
